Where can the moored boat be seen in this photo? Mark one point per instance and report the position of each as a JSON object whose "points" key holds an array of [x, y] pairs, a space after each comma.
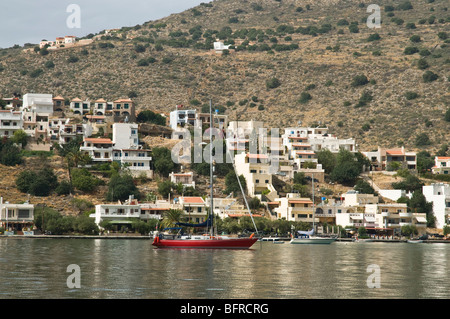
{"points": [[210, 240]]}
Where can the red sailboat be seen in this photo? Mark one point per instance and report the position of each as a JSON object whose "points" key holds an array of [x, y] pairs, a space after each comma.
{"points": [[206, 240]]}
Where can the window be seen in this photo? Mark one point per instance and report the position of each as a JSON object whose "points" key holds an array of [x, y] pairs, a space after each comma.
{"points": [[257, 181], [266, 181], [199, 209], [126, 106], [24, 213]]}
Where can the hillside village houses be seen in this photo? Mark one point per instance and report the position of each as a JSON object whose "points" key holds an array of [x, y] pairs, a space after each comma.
{"points": [[259, 155], [441, 165]]}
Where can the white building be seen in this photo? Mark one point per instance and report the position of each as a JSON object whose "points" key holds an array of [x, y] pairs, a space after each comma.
{"points": [[243, 136], [16, 217], [99, 149], [80, 107], [125, 135], [439, 195], [186, 179], [194, 208], [317, 138], [295, 208], [257, 173], [181, 117], [441, 165], [10, 122], [387, 218], [127, 150], [219, 46], [38, 103], [36, 111], [383, 158], [100, 106], [70, 39], [121, 214]]}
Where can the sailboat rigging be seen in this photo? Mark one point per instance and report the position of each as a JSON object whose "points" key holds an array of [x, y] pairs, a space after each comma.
{"points": [[211, 240], [308, 237]]}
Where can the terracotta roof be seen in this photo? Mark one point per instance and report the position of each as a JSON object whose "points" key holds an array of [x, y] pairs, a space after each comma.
{"points": [[76, 100], [122, 100], [101, 101], [98, 140], [395, 151], [59, 97], [300, 201], [193, 200], [257, 156], [442, 158]]}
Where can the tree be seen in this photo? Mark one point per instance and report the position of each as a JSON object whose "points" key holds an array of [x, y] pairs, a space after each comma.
{"points": [[410, 184], [422, 140], [419, 204], [347, 168], [363, 187], [345, 173], [171, 217], [327, 159], [232, 184], [40, 183], [300, 178], [165, 188], [362, 232], [408, 230], [273, 83], [424, 161], [148, 116], [163, 162], [9, 153], [120, 187], [447, 115], [429, 76], [20, 137], [83, 180], [359, 80], [85, 225]]}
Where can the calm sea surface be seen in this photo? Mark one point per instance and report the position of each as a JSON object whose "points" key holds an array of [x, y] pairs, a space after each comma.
{"points": [[122, 269]]}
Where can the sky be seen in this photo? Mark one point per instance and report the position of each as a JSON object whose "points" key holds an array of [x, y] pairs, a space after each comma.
{"points": [[30, 21]]}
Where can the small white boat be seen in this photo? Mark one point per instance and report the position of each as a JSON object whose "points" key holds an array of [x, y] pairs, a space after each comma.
{"points": [[414, 241], [312, 240]]}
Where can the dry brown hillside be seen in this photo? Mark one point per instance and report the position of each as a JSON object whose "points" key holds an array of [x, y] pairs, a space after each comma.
{"points": [[170, 61]]}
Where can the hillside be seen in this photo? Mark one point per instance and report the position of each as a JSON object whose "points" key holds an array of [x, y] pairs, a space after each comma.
{"points": [[184, 69]]}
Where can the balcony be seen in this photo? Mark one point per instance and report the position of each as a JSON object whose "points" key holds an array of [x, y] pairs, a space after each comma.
{"points": [[385, 214], [404, 214], [405, 224]]}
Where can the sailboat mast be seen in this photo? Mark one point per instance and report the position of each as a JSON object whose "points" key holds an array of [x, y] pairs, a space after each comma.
{"points": [[314, 207], [211, 171]]}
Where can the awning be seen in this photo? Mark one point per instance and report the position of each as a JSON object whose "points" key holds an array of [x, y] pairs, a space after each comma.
{"points": [[421, 219], [120, 221], [369, 219], [355, 217]]}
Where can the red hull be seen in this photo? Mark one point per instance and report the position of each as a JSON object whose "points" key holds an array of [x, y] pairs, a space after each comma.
{"points": [[228, 243]]}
